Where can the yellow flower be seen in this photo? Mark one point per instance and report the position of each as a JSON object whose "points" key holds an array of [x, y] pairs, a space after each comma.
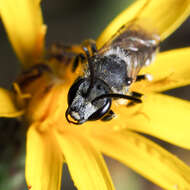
{"points": [[52, 141]]}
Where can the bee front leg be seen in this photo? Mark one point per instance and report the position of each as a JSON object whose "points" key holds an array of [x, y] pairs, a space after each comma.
{"points": [[89, 45], [80, 57], [89, 48]]}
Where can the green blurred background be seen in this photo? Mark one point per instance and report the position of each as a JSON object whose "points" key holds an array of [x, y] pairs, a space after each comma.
{"points": [[72, 21]]}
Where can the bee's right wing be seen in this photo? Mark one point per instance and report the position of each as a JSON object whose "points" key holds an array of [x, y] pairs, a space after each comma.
{"points": [[154, 18]]}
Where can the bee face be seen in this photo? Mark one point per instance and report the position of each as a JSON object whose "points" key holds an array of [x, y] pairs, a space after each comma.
{"points": [[82, 103]]}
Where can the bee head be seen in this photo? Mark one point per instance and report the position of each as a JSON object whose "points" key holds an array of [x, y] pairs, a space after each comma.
{"points": [[83, 104]]}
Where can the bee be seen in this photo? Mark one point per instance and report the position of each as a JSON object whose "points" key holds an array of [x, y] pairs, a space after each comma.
{"points": [[109, 73]]}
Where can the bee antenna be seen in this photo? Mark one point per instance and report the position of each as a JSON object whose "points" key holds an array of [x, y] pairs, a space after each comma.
{"points": [[137, 100]]}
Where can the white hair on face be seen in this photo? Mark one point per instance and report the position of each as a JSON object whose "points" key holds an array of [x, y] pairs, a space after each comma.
{"points": [[85, 107], [75, 115], [90, 109]]}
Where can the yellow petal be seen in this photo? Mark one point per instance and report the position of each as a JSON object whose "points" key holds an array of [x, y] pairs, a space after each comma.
{"points": [[43, 160], [24, 25], [162, 116], [161, 17], [86, 165], [7, 107], [145, 157], [170, 70]]}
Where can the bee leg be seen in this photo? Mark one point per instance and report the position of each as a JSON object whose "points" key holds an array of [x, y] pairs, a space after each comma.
{"points": [[86, 45], [32, 74], [143, 77], [60, 51], [110, 115], [135, 95], [93, 48], [80, 57], [56, 51], [89, 44]]}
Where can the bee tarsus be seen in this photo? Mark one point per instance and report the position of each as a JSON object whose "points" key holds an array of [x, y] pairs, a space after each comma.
{"points": [[136, 94], [109, 116], [144, 77], [78, 58], [32, 74]]}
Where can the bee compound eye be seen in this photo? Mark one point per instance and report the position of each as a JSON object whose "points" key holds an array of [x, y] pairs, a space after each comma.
{"points": [[101, 111], [73, 90]]}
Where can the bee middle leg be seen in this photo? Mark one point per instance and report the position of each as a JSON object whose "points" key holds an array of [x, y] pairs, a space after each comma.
{"points": [[135, 95], [143, 77], [89, 47]]}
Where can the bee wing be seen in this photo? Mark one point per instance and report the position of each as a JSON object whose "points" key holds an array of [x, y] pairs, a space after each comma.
{"points": [[137, 61], [132, 36], [135, 45], [136, 41], [153, 17]]}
